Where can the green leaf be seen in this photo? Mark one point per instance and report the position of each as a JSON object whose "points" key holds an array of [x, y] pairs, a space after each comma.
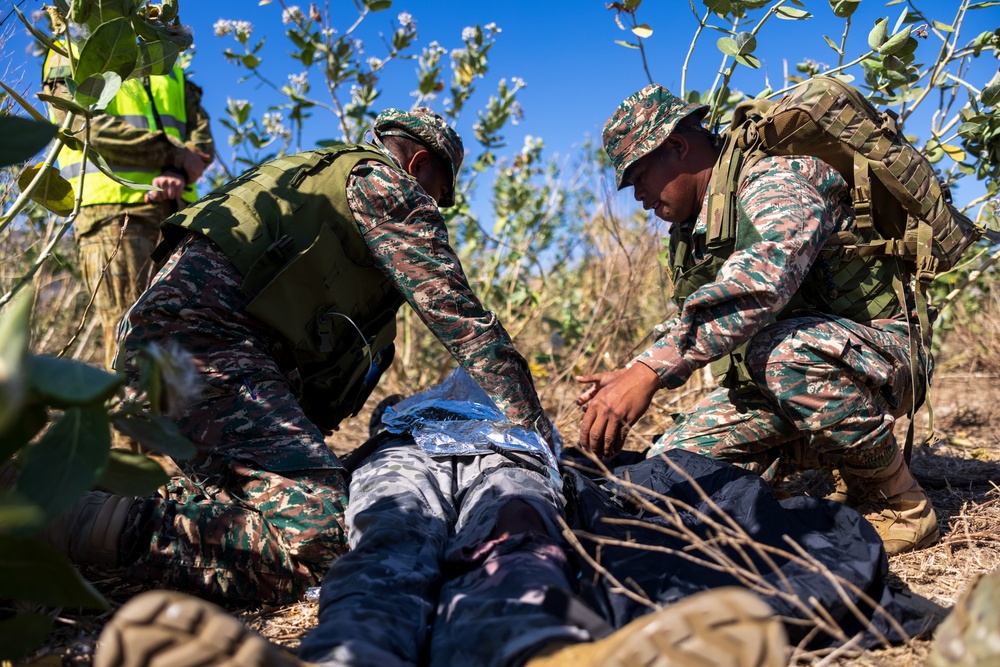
{"points": [[132, 474], [22, 634], [749, 61], [28, 421], [895, 42], [792, 14], [64, 104], [985, 5], [379, 5], [102, 164], [627, 45], [98, 91], [39, 35], [991, 93], [23, 137], [844, 8], [17, 513], [67, 461], [157, 58], [32, 111], [878, 34], [642, 31], [15, 332], [111, 48], [33, 572], [728, 46], [65, 382], [157, 433], [746, 43], [250, 61], [969, 130], [943, 27], [833, 45]]}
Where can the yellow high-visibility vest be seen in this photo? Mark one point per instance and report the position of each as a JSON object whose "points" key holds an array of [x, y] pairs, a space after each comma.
{"points": [[160, 106]]}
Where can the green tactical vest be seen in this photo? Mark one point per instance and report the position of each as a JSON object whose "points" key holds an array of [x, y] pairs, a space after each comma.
{"points": [[154, 103], [858, 288], [288, 229]]}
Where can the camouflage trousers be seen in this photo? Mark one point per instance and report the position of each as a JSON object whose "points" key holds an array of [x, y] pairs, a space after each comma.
{"points": [[824, 384], [260, 513], [428, 579], [116, 268]]}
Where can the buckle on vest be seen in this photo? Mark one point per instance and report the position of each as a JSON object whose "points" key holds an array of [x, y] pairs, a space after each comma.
{"points": [[281, 248], [890, 123]]}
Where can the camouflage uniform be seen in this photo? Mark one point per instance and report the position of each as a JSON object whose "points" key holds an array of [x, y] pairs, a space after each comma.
{"points": [[817, 380], [260, 458], [97, 227], [427, 580]]}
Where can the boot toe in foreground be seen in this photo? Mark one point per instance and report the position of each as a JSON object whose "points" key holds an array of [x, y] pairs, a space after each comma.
{"points": [[725, 627], [165, 629]]}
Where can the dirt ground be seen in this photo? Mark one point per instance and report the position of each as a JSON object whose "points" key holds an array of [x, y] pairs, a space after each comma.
{"points": [[961, 472]]}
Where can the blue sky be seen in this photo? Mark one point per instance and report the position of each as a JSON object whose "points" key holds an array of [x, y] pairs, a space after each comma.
{"points": [[564, 50]]}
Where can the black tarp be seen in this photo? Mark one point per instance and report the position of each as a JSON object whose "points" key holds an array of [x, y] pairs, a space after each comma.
{"points": [[835, 536]]}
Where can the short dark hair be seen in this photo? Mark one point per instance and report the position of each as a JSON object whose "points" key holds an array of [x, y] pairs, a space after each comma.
{"points": [[404, 147]]}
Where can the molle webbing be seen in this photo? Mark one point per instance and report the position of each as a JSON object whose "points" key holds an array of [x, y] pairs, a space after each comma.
{"points": [[288, 229]]}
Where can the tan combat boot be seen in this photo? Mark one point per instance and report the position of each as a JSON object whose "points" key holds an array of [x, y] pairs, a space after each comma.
{"points": [[841, 493], [167, 629], [895, 504], [90, 530], [723, 627]]}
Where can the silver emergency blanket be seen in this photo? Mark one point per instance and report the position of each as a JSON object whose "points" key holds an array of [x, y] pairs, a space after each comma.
{"points": [[456, 417]]}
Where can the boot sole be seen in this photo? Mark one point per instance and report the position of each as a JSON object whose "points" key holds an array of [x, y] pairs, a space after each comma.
{"points": [[725, 627], [164, 629]]}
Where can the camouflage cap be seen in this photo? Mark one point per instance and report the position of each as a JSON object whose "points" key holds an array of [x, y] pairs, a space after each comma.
{"points": [[431, 130], [641, 123]]}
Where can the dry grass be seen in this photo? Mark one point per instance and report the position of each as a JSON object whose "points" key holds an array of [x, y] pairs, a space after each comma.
{"points": [[960, 471]]}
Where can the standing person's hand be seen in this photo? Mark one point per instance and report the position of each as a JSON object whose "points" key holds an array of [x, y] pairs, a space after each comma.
{"points": [[171, 187], [613, 403], [195, 163]]}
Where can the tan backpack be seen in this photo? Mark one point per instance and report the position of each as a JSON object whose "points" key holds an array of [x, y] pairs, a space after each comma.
{"points": [[894, 188]]}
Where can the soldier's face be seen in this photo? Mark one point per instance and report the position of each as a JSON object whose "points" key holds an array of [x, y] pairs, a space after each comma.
{"points": [[433, 177], [663, 181]]}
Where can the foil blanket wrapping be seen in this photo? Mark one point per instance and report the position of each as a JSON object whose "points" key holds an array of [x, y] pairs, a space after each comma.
{"points": [[457, 418]]}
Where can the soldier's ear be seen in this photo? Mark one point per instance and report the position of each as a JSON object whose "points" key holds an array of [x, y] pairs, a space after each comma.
{"points": [[419, 159], [677, 144]]}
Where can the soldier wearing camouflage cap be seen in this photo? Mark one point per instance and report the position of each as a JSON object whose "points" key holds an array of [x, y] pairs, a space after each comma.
{"points": [[284, 285], [804, 379]]}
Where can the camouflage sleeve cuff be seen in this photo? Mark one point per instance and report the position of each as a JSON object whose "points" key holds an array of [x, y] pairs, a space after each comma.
{"points": [[492, 361], [663, 359], [175, 158]]}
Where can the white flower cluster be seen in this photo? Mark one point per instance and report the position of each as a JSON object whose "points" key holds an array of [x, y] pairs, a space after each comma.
{"points": [[407, 22], [274, 124], [242, 29], [299, 81], [292, 14], [468, 34]]}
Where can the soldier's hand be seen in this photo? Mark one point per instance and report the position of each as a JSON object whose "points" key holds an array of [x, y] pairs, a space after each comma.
{"points": [[617, 404], [171, 187], [195, 163], [597, 382]]}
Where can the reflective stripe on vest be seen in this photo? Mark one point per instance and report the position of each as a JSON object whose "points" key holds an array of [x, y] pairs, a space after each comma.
{"points": [[135, 106]]}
